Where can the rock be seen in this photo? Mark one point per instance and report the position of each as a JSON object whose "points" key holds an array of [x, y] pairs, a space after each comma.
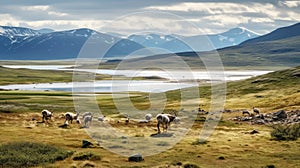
{"points": [[254, 132], [135, 158], [86, 144], [258, 121], [221, 158], [246, 118], [65, 125], [281, 114], [296, 74]]}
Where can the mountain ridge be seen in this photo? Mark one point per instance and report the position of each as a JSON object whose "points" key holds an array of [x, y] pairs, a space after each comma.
{"points": [[24, 43]]}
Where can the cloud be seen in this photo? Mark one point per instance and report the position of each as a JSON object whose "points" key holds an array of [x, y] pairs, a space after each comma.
{"points": [[290, 4], [164, 23], [212, 16], [36, 8]]}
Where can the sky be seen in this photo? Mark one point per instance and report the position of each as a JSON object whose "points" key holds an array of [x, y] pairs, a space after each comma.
{"points": [[185, 17]]}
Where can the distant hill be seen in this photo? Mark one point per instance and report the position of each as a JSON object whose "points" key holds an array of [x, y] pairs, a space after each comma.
{"points": [[278, 34]]}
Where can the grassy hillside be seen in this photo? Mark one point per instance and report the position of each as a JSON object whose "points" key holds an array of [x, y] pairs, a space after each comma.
{"points": [[283, 52], [276, 90], [269, 92]]}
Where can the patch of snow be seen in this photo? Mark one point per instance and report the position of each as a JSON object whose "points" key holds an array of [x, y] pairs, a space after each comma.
{"points": [[169, 39], [109, 42], [2, 31], [13, 41], [222, 38], [250, 31], [73, 31], [231, 39], [149, 37]]}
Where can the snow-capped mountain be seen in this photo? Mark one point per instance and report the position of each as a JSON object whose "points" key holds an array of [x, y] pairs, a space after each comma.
{"points": [[152, 40], [232, 37], [10, 35], [176, 43], [25, 43], [28, 44], [9, 31]]}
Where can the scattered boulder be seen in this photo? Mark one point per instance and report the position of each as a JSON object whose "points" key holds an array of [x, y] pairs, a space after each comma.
{"points": [[221, 158], [156, 135], [86, 144], [279, 117], [101, 119], [281, 114], [135, 158], [296, 74], [63, 126], [254, 132]]}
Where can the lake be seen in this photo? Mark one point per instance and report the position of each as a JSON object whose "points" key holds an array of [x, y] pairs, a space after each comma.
{"points": [[175, 79]]}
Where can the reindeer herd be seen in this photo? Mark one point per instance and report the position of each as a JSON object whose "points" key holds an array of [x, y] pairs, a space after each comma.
{"points": [[163, 120]]}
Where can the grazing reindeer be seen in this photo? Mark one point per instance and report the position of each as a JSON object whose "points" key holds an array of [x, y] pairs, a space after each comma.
{"points": [[127, 119], [87, 114], [164, 120], [87, 119], [46, 115], [71, 116]]}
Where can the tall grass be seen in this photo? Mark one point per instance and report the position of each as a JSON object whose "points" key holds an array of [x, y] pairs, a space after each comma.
{"points": [[28, 154]]}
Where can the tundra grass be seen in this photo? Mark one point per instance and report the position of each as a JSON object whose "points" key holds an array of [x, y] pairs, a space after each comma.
{"points": [[231, 144]]}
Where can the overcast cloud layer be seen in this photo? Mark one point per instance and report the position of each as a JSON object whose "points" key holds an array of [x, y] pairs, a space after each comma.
{"points": [[210, 16]]}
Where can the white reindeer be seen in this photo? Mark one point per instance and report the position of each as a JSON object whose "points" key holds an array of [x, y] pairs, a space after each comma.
{"points": [[46, 115]]}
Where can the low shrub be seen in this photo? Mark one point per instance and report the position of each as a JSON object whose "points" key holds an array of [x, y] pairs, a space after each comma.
{"points": [[190, 165], [286, 132], [28, 154], [86, 156]]}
